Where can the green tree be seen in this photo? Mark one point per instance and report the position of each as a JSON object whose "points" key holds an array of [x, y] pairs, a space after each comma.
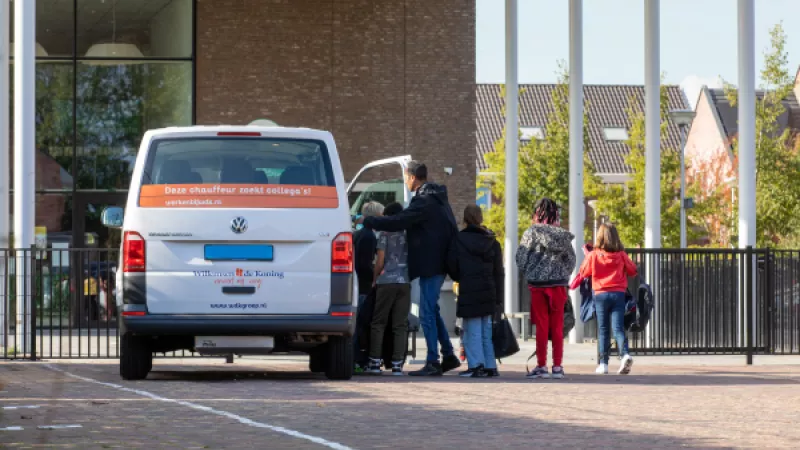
{"points": [[777, 158], [543, 165], [624, 204]]}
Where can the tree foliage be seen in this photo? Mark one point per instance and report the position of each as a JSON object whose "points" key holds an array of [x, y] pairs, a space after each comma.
{"points": [[777, 157], [624, 204], [543, 165]]}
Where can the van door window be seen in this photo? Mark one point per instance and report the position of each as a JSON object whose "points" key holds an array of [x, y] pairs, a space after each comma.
{"points": [[383, 184]]}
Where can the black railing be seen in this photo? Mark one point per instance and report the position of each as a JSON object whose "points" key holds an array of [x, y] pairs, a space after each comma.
{"points": [[68, 307], [702, 304], [68, 302]]}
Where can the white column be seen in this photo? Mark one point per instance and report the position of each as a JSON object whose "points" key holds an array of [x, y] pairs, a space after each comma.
{"points": [[512, 149], [652, 184], [576, 206], [5, 208], [747, 139], [24, 155], [652, 115], [747, 125]]}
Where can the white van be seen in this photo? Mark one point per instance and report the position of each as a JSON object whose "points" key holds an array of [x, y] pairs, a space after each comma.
{"points": [[238, 239]]}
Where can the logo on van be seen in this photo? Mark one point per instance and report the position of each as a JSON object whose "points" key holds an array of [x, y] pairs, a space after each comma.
{"points": [[239, 225]]}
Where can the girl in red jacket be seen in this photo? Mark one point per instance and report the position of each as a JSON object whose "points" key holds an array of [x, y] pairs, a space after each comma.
{"points": [[609, 266]]}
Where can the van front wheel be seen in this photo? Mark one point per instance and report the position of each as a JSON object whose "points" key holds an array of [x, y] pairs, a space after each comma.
{"points": [[135, 359], [340, 358]]}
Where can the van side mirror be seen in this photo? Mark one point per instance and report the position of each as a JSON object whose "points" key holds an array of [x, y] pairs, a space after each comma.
{"points": [[112, 217]]}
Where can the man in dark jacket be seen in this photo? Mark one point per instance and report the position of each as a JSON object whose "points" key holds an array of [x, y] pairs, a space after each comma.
{"points": [[430, 226]]}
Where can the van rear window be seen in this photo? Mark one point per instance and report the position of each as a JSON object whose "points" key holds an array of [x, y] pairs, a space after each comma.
{"points": [[238, 172]]}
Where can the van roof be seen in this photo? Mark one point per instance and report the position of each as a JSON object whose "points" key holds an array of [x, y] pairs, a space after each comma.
{"points": [[204, 130]]}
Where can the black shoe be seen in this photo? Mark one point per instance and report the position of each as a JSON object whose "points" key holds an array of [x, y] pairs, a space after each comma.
{"points": [[450, 362], [476, 372], [431, 369], [492, 373]]}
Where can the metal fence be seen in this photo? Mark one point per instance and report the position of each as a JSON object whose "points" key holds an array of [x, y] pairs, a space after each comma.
{"points": [[702, 304], [66, 303], [60, 303]]}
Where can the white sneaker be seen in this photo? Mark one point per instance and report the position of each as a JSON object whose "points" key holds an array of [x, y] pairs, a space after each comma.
{"points": [[625, 366], [602, 369]]}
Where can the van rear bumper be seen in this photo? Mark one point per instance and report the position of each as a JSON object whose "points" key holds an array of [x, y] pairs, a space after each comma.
{"points": [[239, 325]]}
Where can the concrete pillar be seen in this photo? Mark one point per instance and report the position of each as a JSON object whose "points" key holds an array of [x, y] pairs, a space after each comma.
{"points": [[652, 112], [652, 82], [24, 157], [747, 143], [576, 207], [747, 125], [512, 169], [5, 161]]}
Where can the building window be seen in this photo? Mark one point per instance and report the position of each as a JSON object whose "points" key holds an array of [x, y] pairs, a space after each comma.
{"points": [[528, 134], [106, 72], [615, 134]]}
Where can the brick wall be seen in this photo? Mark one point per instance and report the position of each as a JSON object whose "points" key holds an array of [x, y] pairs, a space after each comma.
{"points": [[387, 77]]}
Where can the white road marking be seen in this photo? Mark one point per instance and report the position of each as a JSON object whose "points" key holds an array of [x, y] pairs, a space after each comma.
{"points": [[238, 418], [57, 427], [20, 407], [11, 429]]}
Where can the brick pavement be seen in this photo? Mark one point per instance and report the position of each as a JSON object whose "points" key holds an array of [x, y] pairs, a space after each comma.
{"points": [[657, 407]]}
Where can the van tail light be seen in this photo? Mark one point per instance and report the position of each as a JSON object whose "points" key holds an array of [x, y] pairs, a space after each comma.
{"points": [[342, 253], [133, 255]]}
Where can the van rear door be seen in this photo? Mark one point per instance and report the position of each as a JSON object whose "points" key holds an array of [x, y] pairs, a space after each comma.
{"points": [[239, 224], [383, 181]]}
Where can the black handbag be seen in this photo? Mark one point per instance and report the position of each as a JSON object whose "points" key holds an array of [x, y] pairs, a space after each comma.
{"points": [[503, 338]]}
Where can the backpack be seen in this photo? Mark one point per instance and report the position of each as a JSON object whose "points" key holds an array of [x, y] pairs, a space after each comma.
{"points": [[638, 308], [588, 308]]}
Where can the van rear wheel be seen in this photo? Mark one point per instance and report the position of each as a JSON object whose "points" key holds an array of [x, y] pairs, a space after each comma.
{"points": [[136, 359], [317, 359], [340, 358]]}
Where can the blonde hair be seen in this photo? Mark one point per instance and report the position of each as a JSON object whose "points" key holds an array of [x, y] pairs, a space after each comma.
{"points": [[372, 209], [608, 238], [473, 215]]}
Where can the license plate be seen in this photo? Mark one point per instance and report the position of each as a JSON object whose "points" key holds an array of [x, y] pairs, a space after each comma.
{"points": [[238, 252], [211, 343]]}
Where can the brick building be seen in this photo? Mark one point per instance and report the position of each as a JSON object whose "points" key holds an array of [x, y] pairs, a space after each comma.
{"points": [[387, 77]]}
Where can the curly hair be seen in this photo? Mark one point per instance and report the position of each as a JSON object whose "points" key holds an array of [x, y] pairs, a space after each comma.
{"points": [[546, 211]]}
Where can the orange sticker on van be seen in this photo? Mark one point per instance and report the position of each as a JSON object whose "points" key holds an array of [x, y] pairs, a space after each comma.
{"points": [[237, 196]]}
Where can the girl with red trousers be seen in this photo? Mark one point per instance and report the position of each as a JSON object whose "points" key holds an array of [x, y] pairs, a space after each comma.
{"points": [[546, 257]]}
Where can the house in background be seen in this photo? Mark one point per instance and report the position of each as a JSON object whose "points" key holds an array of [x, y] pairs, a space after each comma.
{"points": [[607, 109], [710, 159]]}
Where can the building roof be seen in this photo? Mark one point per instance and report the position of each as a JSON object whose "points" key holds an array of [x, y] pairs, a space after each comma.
{"points": [[607, 108], [729, 115]]}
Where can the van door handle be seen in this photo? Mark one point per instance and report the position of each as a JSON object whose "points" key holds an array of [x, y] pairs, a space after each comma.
{"points": [[239, 290]]}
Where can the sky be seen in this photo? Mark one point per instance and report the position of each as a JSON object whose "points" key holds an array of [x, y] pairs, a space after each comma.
{"points": [[698, 40]]}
